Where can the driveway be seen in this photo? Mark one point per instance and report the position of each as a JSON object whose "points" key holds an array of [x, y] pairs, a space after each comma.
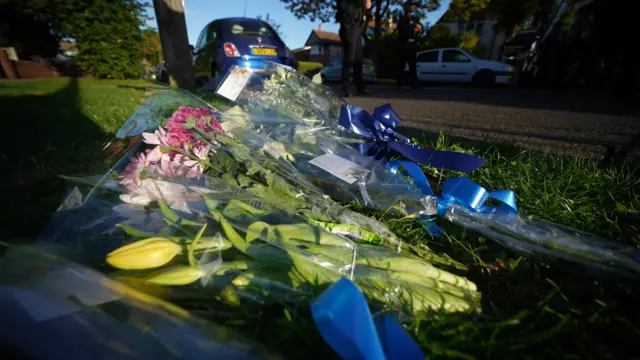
{"points": [[563, 122]]}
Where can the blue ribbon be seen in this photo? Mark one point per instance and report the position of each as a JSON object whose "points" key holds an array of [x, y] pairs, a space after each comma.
{"points": [[384, 140], [461, 191], [343, 319]]}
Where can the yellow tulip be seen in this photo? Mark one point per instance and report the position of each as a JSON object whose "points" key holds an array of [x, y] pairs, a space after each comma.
{"points": [[144, 254], [176, 276]]}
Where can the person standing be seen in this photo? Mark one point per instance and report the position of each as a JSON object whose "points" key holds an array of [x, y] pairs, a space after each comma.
{"points": [[351, 16], [409, 30]]}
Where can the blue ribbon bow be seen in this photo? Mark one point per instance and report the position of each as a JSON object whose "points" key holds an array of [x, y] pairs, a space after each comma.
{"points": [[380, 127], [343, 319], [461, 191]]}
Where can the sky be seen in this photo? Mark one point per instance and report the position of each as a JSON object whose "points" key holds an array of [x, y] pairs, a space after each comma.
{"points": [[294, 32]]}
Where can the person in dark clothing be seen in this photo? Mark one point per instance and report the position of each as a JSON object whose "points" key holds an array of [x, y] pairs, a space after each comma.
{"points": [[351, 16], [409, 29]]}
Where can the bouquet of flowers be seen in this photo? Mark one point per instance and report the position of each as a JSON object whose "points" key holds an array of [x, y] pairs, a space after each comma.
{"points": [[319, 132], [216, 211]]}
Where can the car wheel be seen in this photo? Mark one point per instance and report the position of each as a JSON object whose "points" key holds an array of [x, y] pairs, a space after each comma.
{"points": [[484, 78]]}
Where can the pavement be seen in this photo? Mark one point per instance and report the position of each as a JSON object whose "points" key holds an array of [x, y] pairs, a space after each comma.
{"points": [[564, 122]]}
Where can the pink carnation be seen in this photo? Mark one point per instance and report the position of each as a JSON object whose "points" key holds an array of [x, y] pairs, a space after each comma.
{"points": [[178, 138], [203, 117]]}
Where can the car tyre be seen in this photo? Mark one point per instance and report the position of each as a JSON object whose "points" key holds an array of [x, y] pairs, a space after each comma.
{"points": [[484, 78]]}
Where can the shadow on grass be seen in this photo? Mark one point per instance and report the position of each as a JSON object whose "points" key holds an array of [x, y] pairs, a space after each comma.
{"points": [[43, 135]]}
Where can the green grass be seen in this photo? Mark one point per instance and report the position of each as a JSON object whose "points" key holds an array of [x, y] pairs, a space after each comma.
{"points": [[51, 127], [533, 307], [309, 68]]}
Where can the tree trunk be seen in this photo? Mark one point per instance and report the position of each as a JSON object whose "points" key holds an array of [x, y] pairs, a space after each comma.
{"points": [[175, 43]]}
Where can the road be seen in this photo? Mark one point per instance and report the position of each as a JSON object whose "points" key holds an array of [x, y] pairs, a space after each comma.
{"points": [[563, 122]]}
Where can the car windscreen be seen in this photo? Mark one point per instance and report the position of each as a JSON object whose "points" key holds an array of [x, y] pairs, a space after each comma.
{"points": [[250, 29]]}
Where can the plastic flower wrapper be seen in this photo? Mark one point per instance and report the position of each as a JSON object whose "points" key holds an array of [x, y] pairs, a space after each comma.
{"points": [[190, 140], [336, 168], [303, 117], [56, 309], [219, 243]]}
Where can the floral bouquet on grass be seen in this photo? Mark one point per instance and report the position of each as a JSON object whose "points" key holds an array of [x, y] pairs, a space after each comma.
{"points": [[318, 131], [214, 213]]}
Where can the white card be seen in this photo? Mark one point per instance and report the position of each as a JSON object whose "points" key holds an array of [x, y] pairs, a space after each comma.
{"points": [[232, 86], [343, 169]]}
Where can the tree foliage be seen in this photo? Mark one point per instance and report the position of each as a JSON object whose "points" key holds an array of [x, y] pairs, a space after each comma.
{"points": [[274, 24], [463, 10], [509, 13], [151, 46], [108, 33]]}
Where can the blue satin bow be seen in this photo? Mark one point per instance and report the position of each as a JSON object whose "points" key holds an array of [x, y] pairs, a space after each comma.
{"points": [[461, 191], [343, 319], [380, 127]]}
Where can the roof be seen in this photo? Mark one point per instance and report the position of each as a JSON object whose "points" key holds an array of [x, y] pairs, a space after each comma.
{"points": [[326, 37], [306, 48]]}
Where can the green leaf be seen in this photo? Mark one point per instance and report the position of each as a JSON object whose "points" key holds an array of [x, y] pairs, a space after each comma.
{"points": [[131, 231], [170, 215], [622, 208]]}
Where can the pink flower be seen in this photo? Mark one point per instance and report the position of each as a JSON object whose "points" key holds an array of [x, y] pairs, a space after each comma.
{"points": [[178, 138], [132, 174], [178, 166], [201, 150], [156, 138], [202, 118]]}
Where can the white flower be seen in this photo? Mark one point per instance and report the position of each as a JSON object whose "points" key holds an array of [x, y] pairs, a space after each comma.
{"points": [[176, 196]]}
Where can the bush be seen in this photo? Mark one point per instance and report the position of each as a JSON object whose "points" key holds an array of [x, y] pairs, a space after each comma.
{"points": [[109, 37], [309, 68]]}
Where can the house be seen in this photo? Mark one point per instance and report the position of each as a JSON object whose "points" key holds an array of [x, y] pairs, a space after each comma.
{"points": [[481, 23], [324, 45], [68, 48], [301, 54]]}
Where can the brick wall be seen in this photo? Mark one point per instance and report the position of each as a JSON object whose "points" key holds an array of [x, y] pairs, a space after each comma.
{"points": [[34, 70]]}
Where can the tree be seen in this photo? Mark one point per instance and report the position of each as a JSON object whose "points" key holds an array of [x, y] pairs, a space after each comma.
{"points": [[463, 10], [28, 34], [509, 14], [108, 36], [107, 32], [269, 20], [175, 43], [151, 46], [325, 11]]}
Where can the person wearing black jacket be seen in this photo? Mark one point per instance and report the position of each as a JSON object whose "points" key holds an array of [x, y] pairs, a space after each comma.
{"points": [[351, 16], [409, 29]]}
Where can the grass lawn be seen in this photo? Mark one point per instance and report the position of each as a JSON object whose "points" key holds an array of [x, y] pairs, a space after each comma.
{"points": [[51, 127], [533, 308]]}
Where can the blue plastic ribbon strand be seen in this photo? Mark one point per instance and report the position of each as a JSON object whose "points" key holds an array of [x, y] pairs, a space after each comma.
{"points": [[461, 191], [344, 320], [385, 141]]}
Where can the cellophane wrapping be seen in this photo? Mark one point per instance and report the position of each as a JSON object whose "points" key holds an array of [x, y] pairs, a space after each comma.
{"points": [[301, 117], [210, 211], [53, 308]]}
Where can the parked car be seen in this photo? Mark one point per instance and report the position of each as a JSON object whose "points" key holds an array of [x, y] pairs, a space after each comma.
{"points": [[161, 73], [457, 65], [332, 72], [237, 41]]}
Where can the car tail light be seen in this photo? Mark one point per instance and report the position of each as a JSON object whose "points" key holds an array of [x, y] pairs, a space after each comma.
{"points": [[231, 50]]}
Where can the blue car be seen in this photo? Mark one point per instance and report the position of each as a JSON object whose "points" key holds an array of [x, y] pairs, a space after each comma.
{"points": [[237, 41]]}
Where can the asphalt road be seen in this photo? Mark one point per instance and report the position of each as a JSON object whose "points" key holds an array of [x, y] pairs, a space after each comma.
{"points": [[563, 122]]}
